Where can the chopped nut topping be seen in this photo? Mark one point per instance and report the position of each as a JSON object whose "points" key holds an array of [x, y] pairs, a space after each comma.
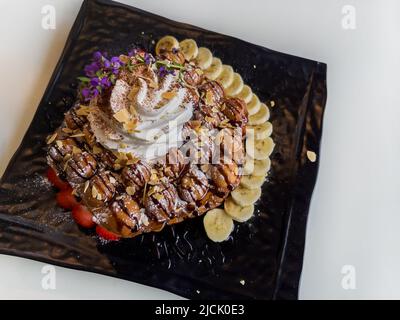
{"points": [[83, 110], [76, 150], [112, 180], [94, 192], [130, 190], [86, 186], [122, 116], [169, 95], [67, 130], [312, 156], [97, 150], [158, 196], [59, 143], [209, 98], [133, 92], [52, 138], [78, 135], [130, 126], [208, 119]]}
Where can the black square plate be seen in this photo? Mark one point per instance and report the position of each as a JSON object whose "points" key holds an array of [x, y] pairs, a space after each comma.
{"points": [[266, 252]]}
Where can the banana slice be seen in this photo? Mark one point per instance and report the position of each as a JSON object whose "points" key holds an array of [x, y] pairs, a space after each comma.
{"points": [[245, 197], [237, 212], [213, 71], [166, 43], [204, 58], [218, 225], [245, 94], [252, 182], [236, 86], [189, 49], [259, 149], [226, 76], [260, 131], [261, 167], [260, 117], [254, 105], [248, 167], [256, 167]]}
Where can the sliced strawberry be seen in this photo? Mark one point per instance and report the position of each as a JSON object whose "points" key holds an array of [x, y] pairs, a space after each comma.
{"points": [[83, 216], [66, 199], [105, 234], [55, 180]]}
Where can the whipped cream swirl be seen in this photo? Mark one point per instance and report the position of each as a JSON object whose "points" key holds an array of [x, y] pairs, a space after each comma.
{"points": [[145, 119]]}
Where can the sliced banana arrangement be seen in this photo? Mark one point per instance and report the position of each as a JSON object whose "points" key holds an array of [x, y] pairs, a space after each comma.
{"points": [[218, 225], [239, 206], [214, 70]]}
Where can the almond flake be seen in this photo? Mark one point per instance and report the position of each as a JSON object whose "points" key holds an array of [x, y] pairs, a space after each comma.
{"points": [[132, 161], [133, 93], [311, 155], [158, 196], [130, 190], [123, 58], [83, 110], [78, 135], [209, 97], [97, 150], [112, 180], [123, 146], [199, 71], [122, 116], [130, 126], [76, 150], [86, 186], [59, 143], [169, 95], [208, 119], [52, 138], [66, 130], [94, 192]]}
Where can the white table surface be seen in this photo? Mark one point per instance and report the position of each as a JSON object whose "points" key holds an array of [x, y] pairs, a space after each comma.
{"points": [[354, 217]]}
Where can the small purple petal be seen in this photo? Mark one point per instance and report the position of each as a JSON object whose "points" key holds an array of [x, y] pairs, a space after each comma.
{"points": [[94, 81], [86, 93], [106, 63], [115, 60], [105, 82], [95, 92], [97, 56]]}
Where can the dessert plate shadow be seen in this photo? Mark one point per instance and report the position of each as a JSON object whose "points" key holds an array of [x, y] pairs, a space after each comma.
{"points": [[266, 252]]}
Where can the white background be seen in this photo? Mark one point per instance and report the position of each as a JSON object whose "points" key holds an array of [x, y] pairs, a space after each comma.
{"points": [[354, 217]]}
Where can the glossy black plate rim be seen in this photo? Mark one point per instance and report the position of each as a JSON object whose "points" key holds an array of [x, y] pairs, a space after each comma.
{"points": [[286, 286]]}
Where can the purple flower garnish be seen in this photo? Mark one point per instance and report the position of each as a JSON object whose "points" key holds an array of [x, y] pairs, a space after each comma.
{"points": [[91, 69], [148, 58], [97, 56], [95, 92], [105, 82], [86, 93], [95, 81], [132, 52], [106, 63]]}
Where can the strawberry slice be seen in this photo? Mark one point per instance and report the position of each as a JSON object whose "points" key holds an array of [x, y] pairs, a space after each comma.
{"points": [[105, 234], [55, 179], [83, 216], [66, 199]]}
